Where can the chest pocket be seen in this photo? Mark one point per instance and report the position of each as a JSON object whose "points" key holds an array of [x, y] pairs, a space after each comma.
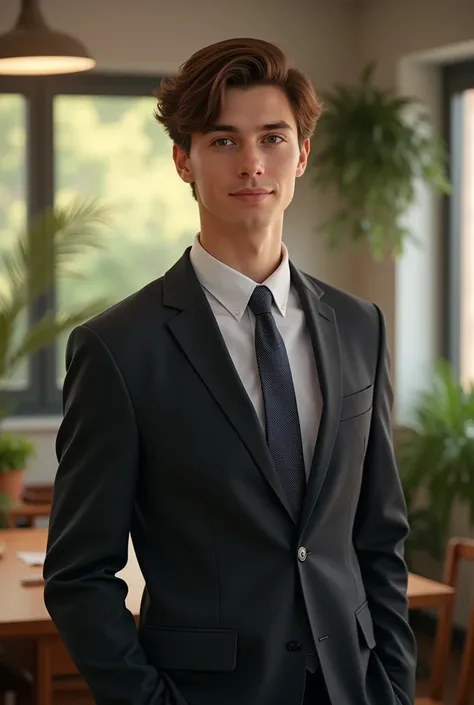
{"points": [[357, 404]]}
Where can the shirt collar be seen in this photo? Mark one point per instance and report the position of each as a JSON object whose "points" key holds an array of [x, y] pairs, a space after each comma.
{"points": [[233, 289]]}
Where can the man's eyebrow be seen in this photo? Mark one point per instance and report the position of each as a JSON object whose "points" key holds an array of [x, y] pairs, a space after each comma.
{"points": [[222, 127]]}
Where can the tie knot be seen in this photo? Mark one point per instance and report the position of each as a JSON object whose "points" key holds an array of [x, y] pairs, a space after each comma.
{"points": [[261, 300]]}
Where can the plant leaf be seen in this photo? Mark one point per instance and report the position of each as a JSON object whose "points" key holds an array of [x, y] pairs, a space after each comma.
{"points": [[48, 251], [49, 327], [436, 456], [372, 149]]}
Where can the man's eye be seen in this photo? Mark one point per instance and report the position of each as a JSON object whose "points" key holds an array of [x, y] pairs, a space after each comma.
{"points": [[222, 141], [274, 139]]}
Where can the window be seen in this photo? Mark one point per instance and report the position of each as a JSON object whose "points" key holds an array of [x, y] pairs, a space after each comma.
{"points": [[13, 199], [89, 136], [459, 313]]}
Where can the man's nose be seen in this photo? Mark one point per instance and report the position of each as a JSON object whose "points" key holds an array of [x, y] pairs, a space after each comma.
{"points": [[251, 163]]}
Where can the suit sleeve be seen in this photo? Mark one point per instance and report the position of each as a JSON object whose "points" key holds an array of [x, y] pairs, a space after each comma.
{"points": [[380, 531], [94, 491]]}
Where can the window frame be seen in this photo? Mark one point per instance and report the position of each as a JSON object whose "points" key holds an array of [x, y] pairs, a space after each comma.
{"points": [[42, 397], [457, 78]]}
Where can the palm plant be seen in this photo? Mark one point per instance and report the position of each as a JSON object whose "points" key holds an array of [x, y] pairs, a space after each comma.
{"points": [[371, 156], [436, 461], [48, 251], [44, 254]]}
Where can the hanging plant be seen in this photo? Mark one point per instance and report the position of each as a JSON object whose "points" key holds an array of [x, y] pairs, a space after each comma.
{"points": [[371, 155]]}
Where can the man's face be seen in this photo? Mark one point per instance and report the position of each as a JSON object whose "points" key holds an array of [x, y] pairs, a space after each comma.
{"points": [[244, 168]]}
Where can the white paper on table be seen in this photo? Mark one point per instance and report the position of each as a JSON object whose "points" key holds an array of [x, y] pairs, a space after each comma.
{"points": [[32, 557]]}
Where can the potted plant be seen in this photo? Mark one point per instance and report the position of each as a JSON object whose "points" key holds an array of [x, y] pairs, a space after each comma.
{"points": [[436, 461], [4, 506], [14, 453], [31, 268], [371, 156]]}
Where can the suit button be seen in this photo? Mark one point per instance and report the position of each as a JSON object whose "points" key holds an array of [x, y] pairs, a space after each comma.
{"points": [[302, 553], [293, 646]]}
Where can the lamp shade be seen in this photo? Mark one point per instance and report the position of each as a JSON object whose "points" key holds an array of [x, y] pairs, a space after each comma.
{"points": [[32, 48]]}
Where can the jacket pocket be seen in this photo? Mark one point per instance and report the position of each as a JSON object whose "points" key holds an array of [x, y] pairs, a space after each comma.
{"points": [[364, 620], [190, 649], [357, 404]]}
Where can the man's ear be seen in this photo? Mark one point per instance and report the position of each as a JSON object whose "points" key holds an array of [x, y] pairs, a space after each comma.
{"points": [[182, 164], [303, 158]]}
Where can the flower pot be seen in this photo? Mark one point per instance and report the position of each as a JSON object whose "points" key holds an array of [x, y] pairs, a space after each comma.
{"points": [[11, 484]]}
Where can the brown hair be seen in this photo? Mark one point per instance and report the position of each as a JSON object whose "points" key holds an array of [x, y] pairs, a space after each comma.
{"points": [[191, 101]]}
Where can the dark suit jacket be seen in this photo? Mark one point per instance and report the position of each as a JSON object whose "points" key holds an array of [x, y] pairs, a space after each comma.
{"points": [[159, 439]]}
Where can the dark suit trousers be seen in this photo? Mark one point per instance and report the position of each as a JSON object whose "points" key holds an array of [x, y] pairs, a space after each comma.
{"points": [[315, 692]]}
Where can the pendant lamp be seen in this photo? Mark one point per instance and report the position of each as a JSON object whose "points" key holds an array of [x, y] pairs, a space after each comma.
{"points": [[31, 48]]}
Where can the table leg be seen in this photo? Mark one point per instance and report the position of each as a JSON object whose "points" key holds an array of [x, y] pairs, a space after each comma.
{"points": [[43, 689], [441, 648]]}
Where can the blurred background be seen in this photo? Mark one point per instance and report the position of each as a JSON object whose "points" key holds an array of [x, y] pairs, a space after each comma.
{"points": [[385, 211]]}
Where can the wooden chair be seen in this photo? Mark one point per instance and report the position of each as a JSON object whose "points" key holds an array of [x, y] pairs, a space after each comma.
{"points": [[55, 672], [35, 503], [14, 679], [27, 513], [41, 673], [458, 549], [37, 494]]}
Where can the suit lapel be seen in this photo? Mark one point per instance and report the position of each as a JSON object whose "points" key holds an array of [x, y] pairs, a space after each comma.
{"points": [[198, 334], [322, 327]]}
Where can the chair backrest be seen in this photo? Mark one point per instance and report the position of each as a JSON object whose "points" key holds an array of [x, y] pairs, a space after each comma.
{"points": [[37, 494], [458, 550], [28, 513], [464, 550]]}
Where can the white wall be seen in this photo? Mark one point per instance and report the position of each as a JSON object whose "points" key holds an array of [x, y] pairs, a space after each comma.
{"points": [[411, 39], [150, 37], [420, 32], [418, 289]]}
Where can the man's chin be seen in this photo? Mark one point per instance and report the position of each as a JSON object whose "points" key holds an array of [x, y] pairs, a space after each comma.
{"points": [[253, 221]]}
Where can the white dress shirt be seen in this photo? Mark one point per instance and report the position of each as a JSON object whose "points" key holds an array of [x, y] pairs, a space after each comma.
{"points": [[228, 293]]}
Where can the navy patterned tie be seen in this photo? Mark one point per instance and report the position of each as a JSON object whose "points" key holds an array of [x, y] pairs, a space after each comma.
{"points": [[282, 424]]}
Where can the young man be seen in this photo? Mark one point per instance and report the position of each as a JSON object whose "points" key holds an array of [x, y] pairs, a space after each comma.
{"points": [[234, 417]]}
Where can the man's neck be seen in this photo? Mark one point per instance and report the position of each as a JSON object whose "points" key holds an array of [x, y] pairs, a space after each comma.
{"points": [[257, 256]]}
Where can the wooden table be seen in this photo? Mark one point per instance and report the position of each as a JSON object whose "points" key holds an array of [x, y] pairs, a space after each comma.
{"points": [[28, 512], [26, 629], [423, 593], [22, 609], [24, 615]]}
